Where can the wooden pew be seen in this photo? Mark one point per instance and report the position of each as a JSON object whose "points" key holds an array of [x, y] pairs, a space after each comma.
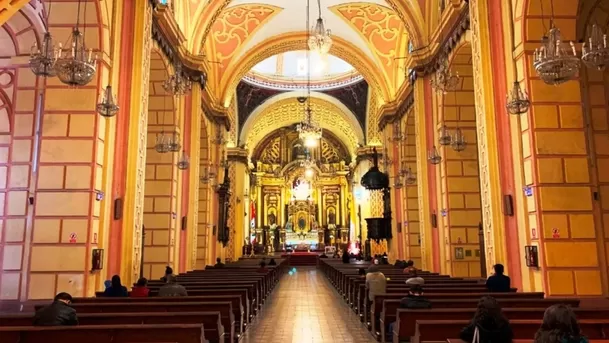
{"points": [[253, 292], [441, 330], [179, 333], [234, 299], [405, 323], [213, 329], [224, 308]]}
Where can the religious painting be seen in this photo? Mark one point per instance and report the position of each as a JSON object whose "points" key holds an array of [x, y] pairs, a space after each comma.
{"points": [[331, 216], [97, 259], [459, 254]]}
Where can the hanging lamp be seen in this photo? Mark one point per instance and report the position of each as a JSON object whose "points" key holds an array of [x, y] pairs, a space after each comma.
{"points": [[43, 56]]}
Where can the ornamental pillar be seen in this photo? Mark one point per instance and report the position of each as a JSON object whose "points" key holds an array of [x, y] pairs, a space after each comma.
{"points": [[237, 158]]}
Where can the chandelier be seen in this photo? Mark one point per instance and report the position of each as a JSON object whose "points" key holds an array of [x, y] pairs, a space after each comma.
{"points": [[517, 100], [411, 179], [444, 81], [162, 145], [434, 156], [458, 142], [208, 175], [75, 65], [552, 62], [107, 107], [444, 136], [43, 57], [184, 161], [595, 52], [174, 143], [178, 83], [320, 39]]}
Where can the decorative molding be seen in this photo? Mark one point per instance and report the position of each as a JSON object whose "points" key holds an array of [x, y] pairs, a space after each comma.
{"points": [[392, 113], [238, 155], [367, 154]]}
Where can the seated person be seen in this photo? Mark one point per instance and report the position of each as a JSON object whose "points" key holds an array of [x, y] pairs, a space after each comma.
{"points": [[489, 324], [376, 282], [140, 290], [498, 282], [559, 326], [59, 313], [409, 267], [415, 298], [116, 290], [415, 279], [168, 271], [263, 268], [172, 288], [272, 262], [219, 263]]}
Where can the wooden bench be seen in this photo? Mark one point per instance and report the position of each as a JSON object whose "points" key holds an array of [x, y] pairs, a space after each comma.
{"points": [[253, 292], [405, 322], [224, 308], [441, 330], [213, 329], [179, 333], [235, 301]]}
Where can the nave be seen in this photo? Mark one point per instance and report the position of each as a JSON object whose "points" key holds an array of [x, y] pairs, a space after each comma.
{"points": [[305, 308]]}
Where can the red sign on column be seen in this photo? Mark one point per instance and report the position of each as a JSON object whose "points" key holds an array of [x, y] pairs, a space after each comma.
{"points": [[73, 237], [555, 233]]}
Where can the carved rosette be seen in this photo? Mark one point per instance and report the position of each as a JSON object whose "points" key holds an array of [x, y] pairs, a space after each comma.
{"points": [[481, 125], [141, 146]]}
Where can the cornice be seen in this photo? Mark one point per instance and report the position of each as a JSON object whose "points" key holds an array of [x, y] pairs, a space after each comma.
{"points": [[238, 155], [366, 154], [395, 110], [454, 23]]}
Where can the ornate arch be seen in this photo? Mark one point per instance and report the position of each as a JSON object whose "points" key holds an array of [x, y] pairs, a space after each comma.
{"points": [[408, 11], [275, 114], [297, 41]]}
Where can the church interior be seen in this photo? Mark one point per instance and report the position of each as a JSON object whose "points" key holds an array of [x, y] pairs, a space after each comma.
{"points": [[197, 134]]}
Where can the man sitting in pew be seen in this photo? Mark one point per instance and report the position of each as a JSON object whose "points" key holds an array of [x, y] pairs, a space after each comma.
{"points": [[415, 299], [498, 282], [219, 263], [415, 279], [59, 313], [489, 324], [559, 326], [172, 288]]}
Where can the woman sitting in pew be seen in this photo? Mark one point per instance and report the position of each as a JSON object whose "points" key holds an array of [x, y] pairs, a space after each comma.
{"points": [[488, 325], [116, 290], [140, 290], [559, 326]]}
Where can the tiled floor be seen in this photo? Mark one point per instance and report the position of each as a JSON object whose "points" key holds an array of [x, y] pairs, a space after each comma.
{"points": [[304, 308]]}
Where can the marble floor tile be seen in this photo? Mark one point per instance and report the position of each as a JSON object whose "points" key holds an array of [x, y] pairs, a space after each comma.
{"points": [[304, 308]]}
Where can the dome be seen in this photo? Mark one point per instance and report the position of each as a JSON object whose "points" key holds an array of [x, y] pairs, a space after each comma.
{"points": [[288, 71]]}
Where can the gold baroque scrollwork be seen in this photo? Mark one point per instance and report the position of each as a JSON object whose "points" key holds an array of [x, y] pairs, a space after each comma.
{"points": [[288, 111]]}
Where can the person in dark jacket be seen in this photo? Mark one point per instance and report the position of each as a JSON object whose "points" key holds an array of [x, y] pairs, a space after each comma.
{"points": [[140, 290], [498, 282], [415, 299], [346, 257], [559, 326], [59, 313], [219, 263], [489, 324], [168, 271], [272, 262], [117, 290]]}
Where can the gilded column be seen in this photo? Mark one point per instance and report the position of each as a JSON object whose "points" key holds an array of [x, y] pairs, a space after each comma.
{"points": [[194, 188], [237, 157]]}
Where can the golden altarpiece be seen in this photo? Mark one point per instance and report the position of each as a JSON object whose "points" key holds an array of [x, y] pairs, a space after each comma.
{"points": [[300, 193]]}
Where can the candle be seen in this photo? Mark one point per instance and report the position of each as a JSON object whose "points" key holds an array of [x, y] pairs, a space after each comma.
{"points": [[90, 54]]}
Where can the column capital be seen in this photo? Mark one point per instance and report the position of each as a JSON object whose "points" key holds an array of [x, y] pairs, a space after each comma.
{"points": [[238, 155]]}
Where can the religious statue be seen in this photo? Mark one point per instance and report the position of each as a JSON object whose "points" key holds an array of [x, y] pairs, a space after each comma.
{"points": [[331, 217], [272, 219], [298, 150]]}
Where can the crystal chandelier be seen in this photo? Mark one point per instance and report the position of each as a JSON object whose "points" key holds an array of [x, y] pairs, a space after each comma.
{"points": [[309, 133], [75, 65], [162, 145], [43, 57], [434, 156], [517, 100], [595, 51], [320, 39], [178, 83], [411, 179], [444, 136], [174, 143], [184, 161], [207, 175], [107, 107], [444, 81], [552, 62], [458, 142]]}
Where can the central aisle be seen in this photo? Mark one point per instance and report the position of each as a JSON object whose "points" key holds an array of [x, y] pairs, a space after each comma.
{"points": [[306, 309]]}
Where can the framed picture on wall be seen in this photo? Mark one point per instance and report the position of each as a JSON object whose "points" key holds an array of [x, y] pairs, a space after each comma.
{"points": [[97, 259], [532, 256], [459, 254]]}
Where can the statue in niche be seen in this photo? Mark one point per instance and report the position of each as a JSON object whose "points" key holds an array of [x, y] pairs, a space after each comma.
{"points": [[272, 219], [331, 217]]}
